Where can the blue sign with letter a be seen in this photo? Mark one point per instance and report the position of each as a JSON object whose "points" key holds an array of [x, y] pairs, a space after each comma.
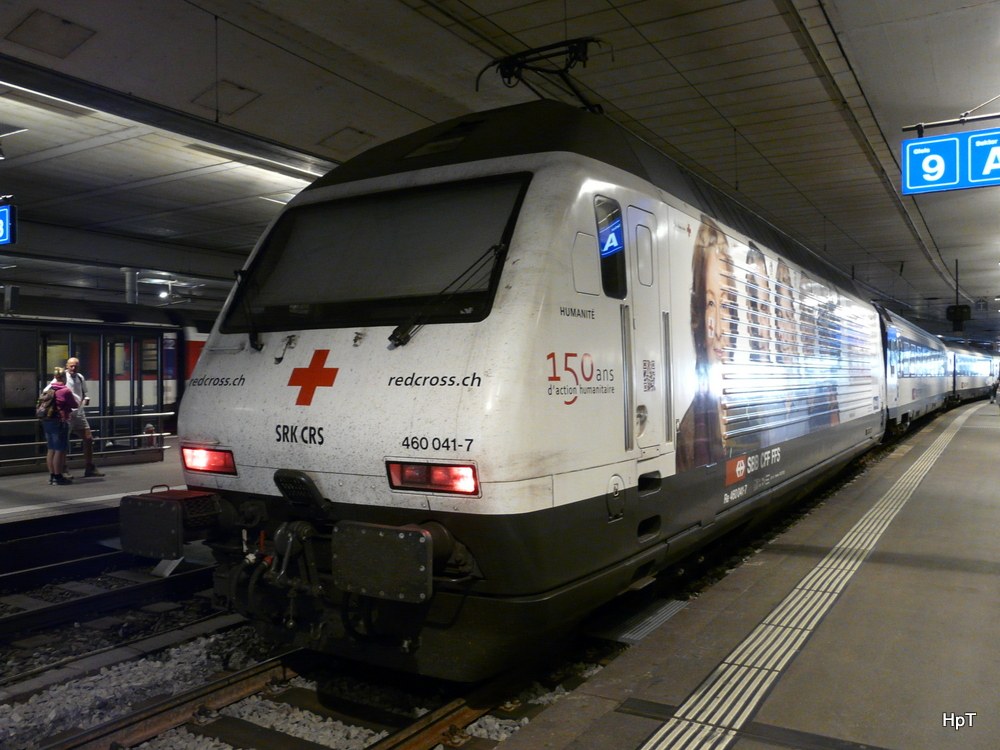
{"points": [[8, 225], [951, 162], [611, 238], [984, 157]]}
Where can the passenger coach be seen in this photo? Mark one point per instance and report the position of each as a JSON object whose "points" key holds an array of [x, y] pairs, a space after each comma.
{"points": [[918, 372], [971, 371]]}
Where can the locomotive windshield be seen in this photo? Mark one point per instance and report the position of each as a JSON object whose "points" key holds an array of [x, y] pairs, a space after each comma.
{"points": [[381, 259]]}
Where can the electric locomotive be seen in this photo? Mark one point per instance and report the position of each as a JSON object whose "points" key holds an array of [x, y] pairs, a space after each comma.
{"points": [[481, 379]]}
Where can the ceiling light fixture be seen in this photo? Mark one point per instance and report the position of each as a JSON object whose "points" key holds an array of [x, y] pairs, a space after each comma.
{"points": [[46, 98], [172, 282]]}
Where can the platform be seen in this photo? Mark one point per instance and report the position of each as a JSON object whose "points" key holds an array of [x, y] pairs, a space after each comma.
{"points": [[25, 496], [871, 624]]}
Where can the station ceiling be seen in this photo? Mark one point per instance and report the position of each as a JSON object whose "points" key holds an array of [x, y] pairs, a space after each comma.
{"points": [[149, 143]]}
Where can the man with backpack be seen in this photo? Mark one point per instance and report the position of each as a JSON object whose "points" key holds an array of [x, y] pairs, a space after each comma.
{"points": [[78, 421]]}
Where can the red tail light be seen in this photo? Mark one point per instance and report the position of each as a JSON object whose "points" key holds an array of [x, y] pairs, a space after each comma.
{"points": [[456, 479], [207, 459]]}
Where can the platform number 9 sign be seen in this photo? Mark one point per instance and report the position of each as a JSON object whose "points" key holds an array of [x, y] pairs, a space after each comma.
{"points": [[933, 167], [931, 164]]}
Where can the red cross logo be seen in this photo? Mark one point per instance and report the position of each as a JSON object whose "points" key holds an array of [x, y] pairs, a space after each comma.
{"points": [[312, 377]]}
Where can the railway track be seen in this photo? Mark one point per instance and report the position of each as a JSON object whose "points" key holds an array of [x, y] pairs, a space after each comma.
{"points": [[83, 600], [148, 722], [66, 594], [65, 568], [206, 711]]}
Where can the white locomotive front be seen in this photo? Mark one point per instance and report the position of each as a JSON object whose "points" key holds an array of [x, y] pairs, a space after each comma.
{"points": [[484, 378]]}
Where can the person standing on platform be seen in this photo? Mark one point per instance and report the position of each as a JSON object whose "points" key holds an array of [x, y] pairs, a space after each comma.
{"points": [[78, 422], [57, 428]]}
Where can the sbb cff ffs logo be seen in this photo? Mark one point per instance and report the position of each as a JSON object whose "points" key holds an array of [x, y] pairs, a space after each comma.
{"points": [[736, 470]]}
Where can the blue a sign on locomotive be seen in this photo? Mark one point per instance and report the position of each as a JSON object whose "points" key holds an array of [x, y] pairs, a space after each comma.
{"points": [[951, 162]]}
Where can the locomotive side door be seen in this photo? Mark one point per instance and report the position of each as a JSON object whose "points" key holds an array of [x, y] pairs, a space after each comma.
{"points": [[891, 374], [649, 363]]}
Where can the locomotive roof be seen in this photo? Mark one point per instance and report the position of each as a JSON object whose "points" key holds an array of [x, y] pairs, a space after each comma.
{"points": [[548, 126]]}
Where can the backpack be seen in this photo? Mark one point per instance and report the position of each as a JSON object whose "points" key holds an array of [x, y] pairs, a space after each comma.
{"points": [[46, 408]]}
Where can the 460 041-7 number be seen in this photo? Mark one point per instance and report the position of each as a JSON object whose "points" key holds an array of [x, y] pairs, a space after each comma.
{"points": [[418, 443]]}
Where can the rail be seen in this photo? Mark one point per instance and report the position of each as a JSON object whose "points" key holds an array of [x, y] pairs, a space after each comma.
{"points": [[114, 435]]}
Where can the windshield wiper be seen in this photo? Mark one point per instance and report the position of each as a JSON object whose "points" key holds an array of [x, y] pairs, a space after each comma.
{"points": [[253, 333], [402, 333]]}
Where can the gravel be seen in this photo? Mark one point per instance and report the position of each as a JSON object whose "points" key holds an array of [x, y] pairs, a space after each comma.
{"points": [[93, 700], [491, 728], [302, 724], [182, 739], [77, 640]]}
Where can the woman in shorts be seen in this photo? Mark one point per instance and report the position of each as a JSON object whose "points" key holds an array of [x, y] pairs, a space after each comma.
{"points": [[57, 428]]}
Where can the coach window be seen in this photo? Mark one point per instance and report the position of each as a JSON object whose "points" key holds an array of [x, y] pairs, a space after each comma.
{"points": [[611, 245], [149, 375], [56, 352], [87, 349]]}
